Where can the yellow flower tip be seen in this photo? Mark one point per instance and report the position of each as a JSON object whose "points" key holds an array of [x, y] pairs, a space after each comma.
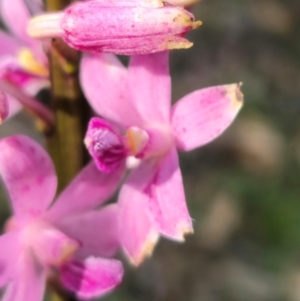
{"points": [[185, 20], [236, 95], [146, 250], [196, 24], [184, 229], [30, 63], [136, 140], [239, 94], [179, 44], [67, 251], [1, 121]]}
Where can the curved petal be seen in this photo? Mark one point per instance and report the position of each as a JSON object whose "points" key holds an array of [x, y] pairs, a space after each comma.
{"points": [[104, 82], [93, 277], [14, 106], [34, 85], [137, 233], [28, 174], [35, 6], [89, 189], [203, 115], [150, 86], [16, 18], [10, 250], [29, 283], [96, 231], [167, 203], [9, 45]]}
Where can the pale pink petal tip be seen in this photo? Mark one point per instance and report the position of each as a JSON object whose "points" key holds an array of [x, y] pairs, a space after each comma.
{"points": [[4, 108], [104, 145], [93, 277], [146, 250], [203, 115]]}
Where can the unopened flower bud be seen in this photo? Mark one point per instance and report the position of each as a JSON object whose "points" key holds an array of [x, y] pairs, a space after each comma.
{"points": [[121, 27]]}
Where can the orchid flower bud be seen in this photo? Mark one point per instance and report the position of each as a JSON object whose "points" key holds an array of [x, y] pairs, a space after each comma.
{"points": [[121, 27]]}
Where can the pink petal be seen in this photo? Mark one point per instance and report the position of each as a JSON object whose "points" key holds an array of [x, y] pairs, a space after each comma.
{"points": [[4, 107], [30, 282], [137, 233], [167, 203], [34, 85], [13, 72], [93, 277], [96, 231], [28, 174], [104, 82], [89, 189], [16, 18], [150, 86], [203, 115], [13, 105], [9, 45], [10, 250]]}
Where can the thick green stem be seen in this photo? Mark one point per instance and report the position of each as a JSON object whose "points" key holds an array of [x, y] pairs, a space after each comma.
{"points": [[65, 143]]}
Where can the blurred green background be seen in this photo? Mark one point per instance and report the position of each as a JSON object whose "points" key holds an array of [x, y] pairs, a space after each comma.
{"points": [[243, 189]]}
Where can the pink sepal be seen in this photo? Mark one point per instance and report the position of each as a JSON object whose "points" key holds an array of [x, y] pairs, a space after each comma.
{"points": [[167, 203], [10, 250], [89, 189], [138, 234], [29, 283], [203, 115], [84, 228], [28, 174]]}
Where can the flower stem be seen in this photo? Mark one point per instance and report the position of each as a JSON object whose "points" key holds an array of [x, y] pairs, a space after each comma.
{"points": [[65, 143], [44, 115]]}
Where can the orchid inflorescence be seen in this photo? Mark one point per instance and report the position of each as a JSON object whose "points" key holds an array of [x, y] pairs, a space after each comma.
{"points": [[135, 129]]}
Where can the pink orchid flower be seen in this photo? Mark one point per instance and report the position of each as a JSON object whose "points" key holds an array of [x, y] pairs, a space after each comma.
{"points": [[22, 60], [68, 238], [118, 26], [140, 122]]}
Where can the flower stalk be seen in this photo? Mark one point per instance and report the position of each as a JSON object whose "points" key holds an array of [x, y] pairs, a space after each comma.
{"points": [[43, 114], [70, 109], [65, 142]]}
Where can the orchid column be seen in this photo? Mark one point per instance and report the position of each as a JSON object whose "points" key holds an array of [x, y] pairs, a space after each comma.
{"points": [[65, 142]]}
